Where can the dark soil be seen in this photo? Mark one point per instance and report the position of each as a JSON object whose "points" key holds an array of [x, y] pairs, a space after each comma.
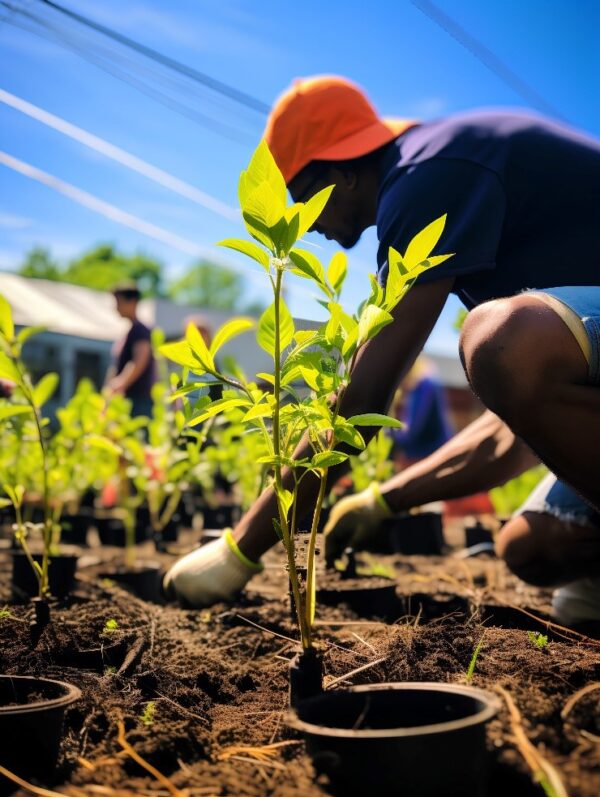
{"points": [[219, 683]]}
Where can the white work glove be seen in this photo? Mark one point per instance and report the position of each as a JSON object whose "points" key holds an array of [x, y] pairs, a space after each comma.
{"points": [[215, 572], [353, 520]]}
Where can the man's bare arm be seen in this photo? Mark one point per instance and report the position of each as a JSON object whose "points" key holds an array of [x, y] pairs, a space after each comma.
{"points": [[483, 455], [379, 367], [142, 352]]}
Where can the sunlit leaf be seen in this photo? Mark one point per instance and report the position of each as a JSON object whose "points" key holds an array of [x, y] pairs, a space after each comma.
{"points": [[180, 352], [374, 419], [424, 242], [313, 209], [7, 327], [336, 271], [327, 459], [45, 389], [9, 410], [198, 346], [247, 248], [217, 407], [372, 320], [231, 329], [265, 335]]}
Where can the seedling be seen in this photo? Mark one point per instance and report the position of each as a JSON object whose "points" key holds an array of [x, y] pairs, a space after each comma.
{"points": [[147, 715], [539, 640], [473, 662], [110, 626], [319, 361]]}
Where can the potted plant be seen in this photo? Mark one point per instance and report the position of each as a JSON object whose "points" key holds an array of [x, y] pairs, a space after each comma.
{"points": [[321, 359], [30, 448]]}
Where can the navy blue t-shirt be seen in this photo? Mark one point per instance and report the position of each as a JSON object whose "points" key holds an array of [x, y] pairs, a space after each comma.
{"points": [[522, 195], [142, 387]]}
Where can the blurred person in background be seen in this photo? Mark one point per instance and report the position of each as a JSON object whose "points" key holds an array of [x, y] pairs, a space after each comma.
{"points": [[133, 372]]}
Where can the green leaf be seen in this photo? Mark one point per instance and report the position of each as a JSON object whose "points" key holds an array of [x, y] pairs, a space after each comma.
{"points": [[337, 270], [217, 407], [9, 410], [247, 248], [313, 209], [7, 327], [263, 205], [424, 242], [310, 376], [28, 332], [327, 459], [266, 377], [375, 419], [261, 410], [258, 231], [265, 334], [45, 389], [189, 388], [372, 320], [16, 493], [198, 347], [285, 499], [307, 265], [181, 353], [102, 443], [8, 370], [231, 329], [262, 169], [346, 433]]}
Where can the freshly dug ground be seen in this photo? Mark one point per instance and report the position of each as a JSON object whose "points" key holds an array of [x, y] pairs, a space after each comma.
{"points": [[216, 680]]}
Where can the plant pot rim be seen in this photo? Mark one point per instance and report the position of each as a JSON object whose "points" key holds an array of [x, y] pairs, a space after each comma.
{"points": [[71, 693], [491, 706]]}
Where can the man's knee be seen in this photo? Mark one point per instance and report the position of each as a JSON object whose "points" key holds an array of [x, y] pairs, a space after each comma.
{"points": [[523, 550], [513, 350]]}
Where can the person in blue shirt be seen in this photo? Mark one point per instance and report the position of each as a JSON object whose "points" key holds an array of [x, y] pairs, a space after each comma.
{"points": [[522, 199]]}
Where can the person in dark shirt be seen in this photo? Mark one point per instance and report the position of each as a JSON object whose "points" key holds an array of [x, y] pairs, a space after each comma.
{"points": [[521, 196], [133, 371]]}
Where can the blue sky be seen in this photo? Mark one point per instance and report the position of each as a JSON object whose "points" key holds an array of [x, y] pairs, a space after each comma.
{"points": [[409, 66]]}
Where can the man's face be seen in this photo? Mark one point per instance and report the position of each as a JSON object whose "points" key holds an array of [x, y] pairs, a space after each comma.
{"points": [[341, 219]]}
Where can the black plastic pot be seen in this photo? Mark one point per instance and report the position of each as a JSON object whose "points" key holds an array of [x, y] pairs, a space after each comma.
{"points": [[477, 534], [375, 597], [220, 517], [420, 534], [111, 531], [409, 739], [61, 575], [306, 676], [170, 532], [74, 528], [31, 732], [144, 580], [109, 654]]}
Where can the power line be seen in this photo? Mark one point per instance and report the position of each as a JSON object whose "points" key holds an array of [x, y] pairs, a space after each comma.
{"points": [[120, 216], [120, 155], [106, 61], [218, 86], [486, 57]]}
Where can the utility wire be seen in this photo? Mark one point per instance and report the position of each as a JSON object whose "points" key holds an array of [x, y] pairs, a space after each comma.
{"points": [[115, 213], [486, 57], [120, 155], [105, 61], [218, 86]]}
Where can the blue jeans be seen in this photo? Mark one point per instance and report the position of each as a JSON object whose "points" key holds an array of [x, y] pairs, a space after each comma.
{"points": [[552, 495]]}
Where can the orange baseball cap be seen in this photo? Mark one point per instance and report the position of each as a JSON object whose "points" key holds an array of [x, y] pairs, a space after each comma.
{"points": [[326, 118]]}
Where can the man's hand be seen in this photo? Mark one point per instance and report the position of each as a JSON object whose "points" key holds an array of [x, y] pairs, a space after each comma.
{"points": [[353, 520], [215, 572]]}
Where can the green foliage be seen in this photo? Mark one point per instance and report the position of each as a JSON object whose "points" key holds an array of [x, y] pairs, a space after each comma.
{"points": [[147, 715], [471, 668], [110, 626], [374, 463], [511, 496], [209, 284], [100, 268], [312, 369], [539, 640]]}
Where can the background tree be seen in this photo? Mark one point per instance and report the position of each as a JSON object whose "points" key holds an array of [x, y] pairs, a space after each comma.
{"points": [[209, 284], [103, 267], [40, 264]]}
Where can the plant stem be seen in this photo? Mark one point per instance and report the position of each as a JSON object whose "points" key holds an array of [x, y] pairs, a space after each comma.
{"points": [[310, 563], [288, 539]]}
